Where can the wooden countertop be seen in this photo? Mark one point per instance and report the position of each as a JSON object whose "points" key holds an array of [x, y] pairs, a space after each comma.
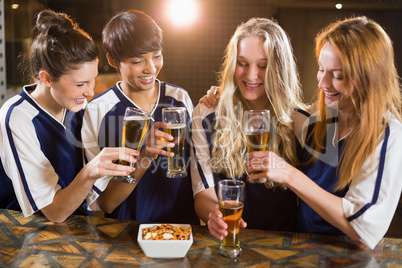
{"points": [[102, 242]]}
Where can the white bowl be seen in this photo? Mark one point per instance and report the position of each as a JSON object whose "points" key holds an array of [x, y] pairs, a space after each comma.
{"points": [[164, 248]]}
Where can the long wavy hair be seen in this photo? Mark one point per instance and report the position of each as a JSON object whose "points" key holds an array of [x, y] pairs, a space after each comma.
{"points": [[282, 89], [367, 57]]}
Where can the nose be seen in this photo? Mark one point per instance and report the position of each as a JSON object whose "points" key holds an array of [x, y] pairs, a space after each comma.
{"points": [[323, 80], [252, 73], [150, 67], [89, 92]]}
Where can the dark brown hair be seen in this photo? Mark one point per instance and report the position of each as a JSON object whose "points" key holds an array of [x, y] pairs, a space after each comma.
{"points": [[59, 45], [131, 34]]}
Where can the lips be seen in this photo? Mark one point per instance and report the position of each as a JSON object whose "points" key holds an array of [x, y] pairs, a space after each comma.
{"points": [[330, 93], [251, 86], [147, 79], [79, 101]]}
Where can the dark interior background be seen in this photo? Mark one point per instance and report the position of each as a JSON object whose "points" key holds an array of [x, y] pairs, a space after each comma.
{"points": [[192, 55]]}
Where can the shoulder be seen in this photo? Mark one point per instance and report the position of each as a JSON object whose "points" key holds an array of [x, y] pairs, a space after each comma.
{"points": [[201, 111], [394, 123], [101, 104], [17, 109], [177, 92], [394, 132], [107, 96], [301, 120]]}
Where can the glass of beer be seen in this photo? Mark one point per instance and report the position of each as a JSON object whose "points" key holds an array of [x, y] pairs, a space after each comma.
{"points": [[176, 118], [135, 128], [256, 128], [231, 200]]}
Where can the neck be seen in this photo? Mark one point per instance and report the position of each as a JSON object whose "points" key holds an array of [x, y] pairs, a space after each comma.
{"points": [[344, 125], [146, 99], [44, 98], [260, 104]]}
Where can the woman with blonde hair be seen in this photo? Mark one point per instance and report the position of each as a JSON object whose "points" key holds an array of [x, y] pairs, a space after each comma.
{"points": [[350, 178], [259, 72]]}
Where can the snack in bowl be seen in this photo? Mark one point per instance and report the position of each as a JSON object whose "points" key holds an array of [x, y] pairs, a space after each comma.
{"points": [[165, 232], [165, 240]]}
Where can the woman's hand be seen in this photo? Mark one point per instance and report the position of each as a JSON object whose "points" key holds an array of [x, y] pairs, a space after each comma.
{"points": [[269, 165], [212, 97], [104, 163], [156, 140], [217, 227]]}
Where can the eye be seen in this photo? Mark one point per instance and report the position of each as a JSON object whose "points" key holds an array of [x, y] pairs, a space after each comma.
{"points": [[241, 64], [262, 67], [158, 56], [80, 85]]}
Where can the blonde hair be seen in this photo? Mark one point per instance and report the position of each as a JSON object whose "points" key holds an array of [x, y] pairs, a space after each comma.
{"points": [[367, 57], [282, 90]]}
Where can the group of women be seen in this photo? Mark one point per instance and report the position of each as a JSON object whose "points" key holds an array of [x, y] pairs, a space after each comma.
{"points": [[335, 163]]}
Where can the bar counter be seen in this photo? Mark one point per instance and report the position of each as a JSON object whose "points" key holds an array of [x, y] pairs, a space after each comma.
{"points": [[102, 242]]}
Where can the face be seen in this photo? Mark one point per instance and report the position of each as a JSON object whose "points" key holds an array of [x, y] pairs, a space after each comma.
{"points": [[250, 70], [72, 88], [139, 73], [331, 81]]}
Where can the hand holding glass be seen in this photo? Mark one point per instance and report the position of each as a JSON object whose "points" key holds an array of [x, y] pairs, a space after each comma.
{"points": [[135, 127], [176, 118], [231, 200], [256, 128]]}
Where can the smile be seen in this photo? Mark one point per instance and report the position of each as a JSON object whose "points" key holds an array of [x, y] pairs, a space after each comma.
{"points": [[146, 77], [252, 86], [329, 93], [79, 101]]}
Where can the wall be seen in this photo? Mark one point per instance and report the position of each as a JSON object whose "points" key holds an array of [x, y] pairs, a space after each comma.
{"points": [[192, 56]]}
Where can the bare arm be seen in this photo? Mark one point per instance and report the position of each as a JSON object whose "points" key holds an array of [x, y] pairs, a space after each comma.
{"points": [[67, 200], [327, 205], [116, 192]]}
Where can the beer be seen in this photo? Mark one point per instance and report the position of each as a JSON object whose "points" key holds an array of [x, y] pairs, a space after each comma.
{"points": [[232, 211], [256, 127], [176, 118], [257, 140], [231, 199], [134, 131], [178, 131]]}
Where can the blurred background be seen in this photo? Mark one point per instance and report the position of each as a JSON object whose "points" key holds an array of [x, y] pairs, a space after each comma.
{"points": [[196, 33]]}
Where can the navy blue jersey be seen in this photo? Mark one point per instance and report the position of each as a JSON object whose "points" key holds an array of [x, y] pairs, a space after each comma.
{"points": [[38, 153], [273, 209], [370, 201], [156, 198]]}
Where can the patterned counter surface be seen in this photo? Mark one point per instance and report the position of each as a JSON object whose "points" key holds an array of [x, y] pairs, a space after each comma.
{"points": [[102, 242]]}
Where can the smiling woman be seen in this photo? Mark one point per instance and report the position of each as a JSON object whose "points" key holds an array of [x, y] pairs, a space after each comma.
{"points": [[259, 72], [40, 157], [349, 180]]}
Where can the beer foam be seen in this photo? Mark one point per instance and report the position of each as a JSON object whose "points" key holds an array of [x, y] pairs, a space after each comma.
{"points": [[136, 118], [176, 126]]}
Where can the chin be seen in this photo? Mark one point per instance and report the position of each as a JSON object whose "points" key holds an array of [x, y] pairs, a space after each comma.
{"points": [[75, 108], [332, 104]]}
